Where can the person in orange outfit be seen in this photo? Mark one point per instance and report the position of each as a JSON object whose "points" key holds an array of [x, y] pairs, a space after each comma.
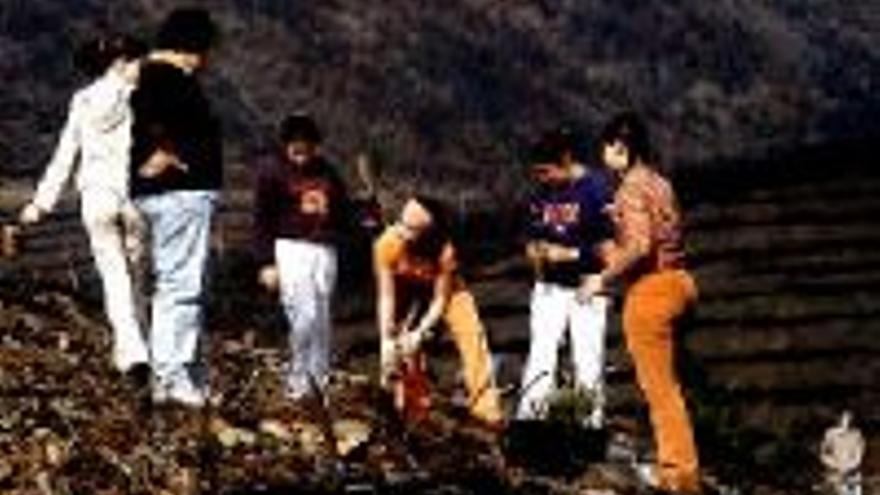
{"points": [[647, 255], [416, 273]]}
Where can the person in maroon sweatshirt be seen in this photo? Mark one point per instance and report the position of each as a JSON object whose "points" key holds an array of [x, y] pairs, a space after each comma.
{"points": [[302, 216]]}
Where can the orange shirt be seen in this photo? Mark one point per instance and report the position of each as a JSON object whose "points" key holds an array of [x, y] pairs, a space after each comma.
{"points": [[648, 225], [390, 251]]}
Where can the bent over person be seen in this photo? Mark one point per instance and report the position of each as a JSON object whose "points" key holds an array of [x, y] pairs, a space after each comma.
{"points": [[97, 136], [647, 255], [416, 271]]}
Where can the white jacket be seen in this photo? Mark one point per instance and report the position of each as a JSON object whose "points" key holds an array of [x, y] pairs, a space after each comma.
{"points": [[97, 135]]}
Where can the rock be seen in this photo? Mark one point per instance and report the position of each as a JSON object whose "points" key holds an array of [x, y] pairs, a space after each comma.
{"points": [[55, 452], [230, 436], [348, 378], [309, 437], [6, 470], [276, 429], [350, 434], [183, 481], [44, 483], [63, 341]]}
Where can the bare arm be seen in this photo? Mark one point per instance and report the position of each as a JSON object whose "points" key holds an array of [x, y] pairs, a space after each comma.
{"points": [[442, 294], [385, 305], [443, 286], [385, 302]]}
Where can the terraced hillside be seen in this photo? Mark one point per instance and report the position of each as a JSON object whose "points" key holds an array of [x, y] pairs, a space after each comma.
{"points": [[785, 335], [787, 258]]}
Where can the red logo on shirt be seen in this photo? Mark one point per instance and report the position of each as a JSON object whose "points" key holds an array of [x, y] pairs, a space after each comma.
{"points": [[561, 214]]}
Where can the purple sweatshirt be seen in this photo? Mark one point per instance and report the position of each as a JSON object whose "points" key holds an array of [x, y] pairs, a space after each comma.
{"points": [[572, 215], [309, 204]]}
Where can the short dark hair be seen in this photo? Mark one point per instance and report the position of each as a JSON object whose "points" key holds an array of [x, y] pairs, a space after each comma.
{"points": [[189, 30], [630, 130], [552, 146], [429, 246], [95, 56], [299, 127]]}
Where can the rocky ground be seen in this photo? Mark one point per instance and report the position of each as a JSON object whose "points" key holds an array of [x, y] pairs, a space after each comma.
{"points": [[70, 425]]}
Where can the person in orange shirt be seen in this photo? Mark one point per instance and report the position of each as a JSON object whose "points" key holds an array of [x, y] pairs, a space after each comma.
{"points": [[416, 268], [647, 255]]}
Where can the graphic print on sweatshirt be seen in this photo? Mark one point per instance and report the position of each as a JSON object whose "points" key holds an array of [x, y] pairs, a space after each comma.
{"points": [[572, 215], [313, 196], [560, 217]]}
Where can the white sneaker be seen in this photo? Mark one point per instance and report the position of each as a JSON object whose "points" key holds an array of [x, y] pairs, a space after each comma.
{"points": [[181, 391], [646, 474], [125, 361], [595, 421]]}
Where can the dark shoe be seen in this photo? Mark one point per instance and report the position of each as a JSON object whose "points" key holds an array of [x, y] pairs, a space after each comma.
{"points": [[137, 381], [138, 377]]}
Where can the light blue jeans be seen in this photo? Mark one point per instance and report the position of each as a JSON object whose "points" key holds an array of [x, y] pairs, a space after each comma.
{"points": [[180, 232]]}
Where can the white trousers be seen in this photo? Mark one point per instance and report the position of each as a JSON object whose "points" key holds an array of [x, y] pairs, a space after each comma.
{"points": [[553, 309], [307, 278], [116, 233]]}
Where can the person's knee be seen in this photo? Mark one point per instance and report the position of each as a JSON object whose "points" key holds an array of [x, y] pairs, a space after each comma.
{"points": [[180, 289]]}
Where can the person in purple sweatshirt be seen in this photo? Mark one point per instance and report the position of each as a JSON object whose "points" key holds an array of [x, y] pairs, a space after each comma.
{"points": [[302, 216], [565, 227]]}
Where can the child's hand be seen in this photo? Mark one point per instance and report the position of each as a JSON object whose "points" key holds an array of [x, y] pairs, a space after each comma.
{"points": [[535, 255], [410, 342], [159, 162], [557, 253], [30, 214], [535, 251], [591, 286], [268, 277]]}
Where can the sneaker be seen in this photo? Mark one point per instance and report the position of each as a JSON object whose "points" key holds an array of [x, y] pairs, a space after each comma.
{"points": [[649, 478], [181, 391], [127, 358], [595, 421], [646, 474], [137, 376]]}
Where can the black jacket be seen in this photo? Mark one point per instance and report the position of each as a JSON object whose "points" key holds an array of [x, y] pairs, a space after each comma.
{"points": [[171, 112]]}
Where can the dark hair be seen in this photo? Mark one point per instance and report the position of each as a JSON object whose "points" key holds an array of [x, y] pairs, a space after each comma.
{"points": [[552, 146], [628, 129], [189, 30], [95, 56], [430, 244], [299, 127]]}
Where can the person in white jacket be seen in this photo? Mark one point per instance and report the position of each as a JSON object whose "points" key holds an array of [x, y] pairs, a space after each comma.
{"points": [[94, 144]]}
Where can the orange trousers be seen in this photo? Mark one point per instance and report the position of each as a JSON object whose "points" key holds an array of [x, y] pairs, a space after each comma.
{"points": [[652, 306], [469, 335]]}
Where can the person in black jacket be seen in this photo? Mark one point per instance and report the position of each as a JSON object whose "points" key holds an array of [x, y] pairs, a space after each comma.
{"points": [[176, 172]]}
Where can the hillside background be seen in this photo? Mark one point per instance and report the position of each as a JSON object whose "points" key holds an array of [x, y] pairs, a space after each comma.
{"points": [[453, 91]]}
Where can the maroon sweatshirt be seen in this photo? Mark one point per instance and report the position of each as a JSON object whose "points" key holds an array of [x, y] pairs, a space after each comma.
{"points": [[308, 203]]}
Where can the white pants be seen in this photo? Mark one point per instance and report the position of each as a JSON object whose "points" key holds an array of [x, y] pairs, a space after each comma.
{"points": [[553, 309], [116, 232], [307, 277]]}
